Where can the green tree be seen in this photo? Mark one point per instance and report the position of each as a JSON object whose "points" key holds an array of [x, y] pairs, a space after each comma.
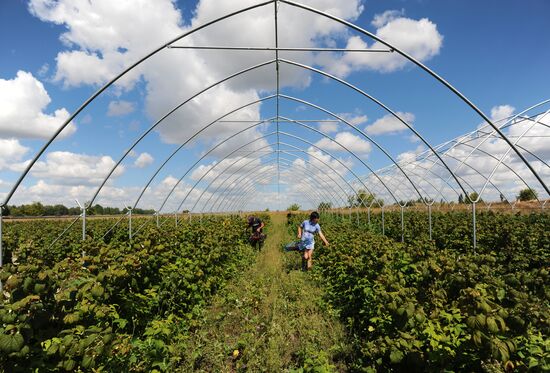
{"points": [[527, 195], [473, 197], [364, 199], [293, 207]]}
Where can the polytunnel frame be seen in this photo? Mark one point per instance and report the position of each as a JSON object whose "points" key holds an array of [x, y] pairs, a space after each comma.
{"points": [[349, 25]]}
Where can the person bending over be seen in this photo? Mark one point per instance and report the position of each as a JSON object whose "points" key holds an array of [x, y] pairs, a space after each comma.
{"points": [[257, 238], [306, 233]]}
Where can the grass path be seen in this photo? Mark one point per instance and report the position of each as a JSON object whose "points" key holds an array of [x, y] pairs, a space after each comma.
{"points": [[269, 319]]}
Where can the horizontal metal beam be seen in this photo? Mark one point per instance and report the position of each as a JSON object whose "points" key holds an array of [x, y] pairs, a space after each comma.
{"points": [[281, 49], [283, 121]]}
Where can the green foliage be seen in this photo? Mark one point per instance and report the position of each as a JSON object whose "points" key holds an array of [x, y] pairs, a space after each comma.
{"points": [[293, 207], [324, 206], [364, 199], [436, 305], [120, 306], [527, 194]]}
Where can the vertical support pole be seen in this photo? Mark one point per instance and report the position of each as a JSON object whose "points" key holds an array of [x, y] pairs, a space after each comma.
{"points": [[350, 215], [368, 215], [84, 222], [176, 218], [130, 224], [383, 228], [430, 219], [402, 225], [1, 253], [157, 214], [474, 225]]}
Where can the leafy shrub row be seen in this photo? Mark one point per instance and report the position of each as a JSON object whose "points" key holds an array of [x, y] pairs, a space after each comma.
{"points": [[115, 305], [436, 305]]}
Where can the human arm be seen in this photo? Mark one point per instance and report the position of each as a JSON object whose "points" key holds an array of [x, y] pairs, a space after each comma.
{"points": [[261, 226], [299, 232], [323, 238]]}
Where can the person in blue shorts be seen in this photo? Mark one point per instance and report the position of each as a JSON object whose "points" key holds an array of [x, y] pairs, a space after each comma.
{"points": [[306, 233]]}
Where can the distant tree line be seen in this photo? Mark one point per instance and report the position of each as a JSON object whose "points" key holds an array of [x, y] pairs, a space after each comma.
{"points": [[38, 209]]}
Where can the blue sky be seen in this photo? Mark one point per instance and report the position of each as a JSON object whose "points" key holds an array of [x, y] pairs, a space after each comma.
{"points": [[495, 52]]}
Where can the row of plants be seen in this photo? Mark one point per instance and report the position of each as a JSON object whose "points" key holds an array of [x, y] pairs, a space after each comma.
{"points": [[111, 304], [436, 305]]}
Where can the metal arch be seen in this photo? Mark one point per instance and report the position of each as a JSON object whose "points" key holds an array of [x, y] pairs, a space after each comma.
{"points": [[230, 204], [248, 191], [461, 140], [430, 72], [508, 152], [463, 161], [437, 190], [379, 103], [234, 181], [356, 129], [198, 181], [227, 188], [477, 171], [324, 151], [292, 146], [310, 128], [209, 171], [280, 151], [231, 15], [344, 147], [534, 155], [259, 178], [457, 142], [114, 80], [327, 152], [170, 112], [494, 157], [197, 162], [252, 183], [241, 177], [289, 167]]}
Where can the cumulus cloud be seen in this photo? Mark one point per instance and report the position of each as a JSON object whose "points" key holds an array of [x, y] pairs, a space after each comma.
{"points": [[381, 19], [352, 142], [74, 169], [144, 160], [328, 127], [11, 151], [120, 108], [418, 38], [102, 39], [389, 124], [352, 118], [22, 104]]}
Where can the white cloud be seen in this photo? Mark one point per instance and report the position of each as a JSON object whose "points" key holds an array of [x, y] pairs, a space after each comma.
{"points": [[418, 38], [120, 108], [73, 169], [144, 160], [22, 104], [102, 39], [352, 142], [381, 19], [328, 127], [352, 118], [501, 112], [389, 124], [11, 151]]}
